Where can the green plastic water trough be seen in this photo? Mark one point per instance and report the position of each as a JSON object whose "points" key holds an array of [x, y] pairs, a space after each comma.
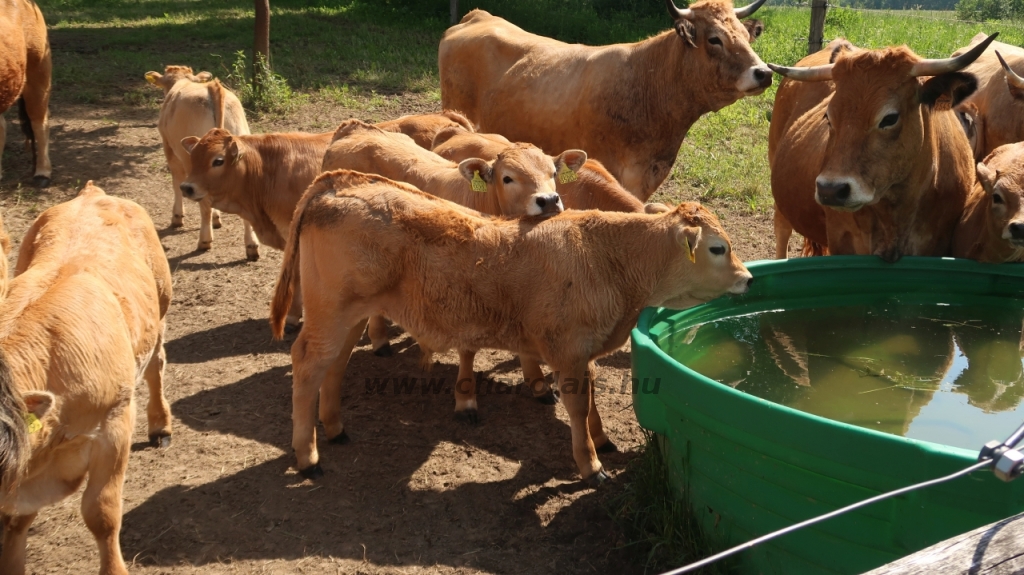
{"points": [[748, 466]]}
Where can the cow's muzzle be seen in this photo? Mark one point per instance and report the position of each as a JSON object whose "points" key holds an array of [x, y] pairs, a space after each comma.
{"points": [[187, 190], [1016, 233], [836, 195], [742, 285], [545, 205]]}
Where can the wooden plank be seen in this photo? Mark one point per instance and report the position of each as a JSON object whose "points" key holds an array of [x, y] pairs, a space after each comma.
{"points": [[816, 37], [994, 549], [454, 9]]}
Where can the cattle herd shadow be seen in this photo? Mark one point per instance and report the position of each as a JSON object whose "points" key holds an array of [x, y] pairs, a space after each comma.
{"points": [[380, 491]]}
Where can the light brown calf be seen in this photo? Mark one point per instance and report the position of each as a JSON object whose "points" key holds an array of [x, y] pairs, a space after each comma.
{"points": [[366, 245], [192, 106], [422, 128], [592, 189], [991, 229], [82, 323], [260, 177], [25, 79]]}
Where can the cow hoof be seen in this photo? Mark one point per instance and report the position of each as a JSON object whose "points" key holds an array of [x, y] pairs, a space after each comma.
{"points": [[340, 439], [384, 350], [177, 221], [204, 246], [217, 225], [252, 255], [312, 472], [597, 479], [292, 328], [548, 398], [468, 416], [41, 181], [160, 440], [608, 447]]}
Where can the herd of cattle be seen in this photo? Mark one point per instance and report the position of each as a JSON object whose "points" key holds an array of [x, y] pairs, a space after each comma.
{"points": [[449, 226]]}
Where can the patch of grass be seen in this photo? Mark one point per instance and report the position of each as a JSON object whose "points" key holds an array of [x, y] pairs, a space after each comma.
{"points": [[270, 95], [659, 527]]}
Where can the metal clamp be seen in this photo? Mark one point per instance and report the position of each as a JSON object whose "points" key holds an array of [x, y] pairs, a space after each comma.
{"points": [[1009, 463]]}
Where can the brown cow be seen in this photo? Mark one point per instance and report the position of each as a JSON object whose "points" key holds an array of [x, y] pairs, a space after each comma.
{"points": [[875, 161], [25, 79], [192, 106], [422, 128], [82, 323], [593, 189], [991, 229], [627, 105], [260, 177], [994, 114], [453, 279]]}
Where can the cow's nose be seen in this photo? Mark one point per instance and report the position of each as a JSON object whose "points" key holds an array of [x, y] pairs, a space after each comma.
{"points": [[750, 282], [187, 189], [833, 193], [763, 77], [1017, 230], [549, 203]]}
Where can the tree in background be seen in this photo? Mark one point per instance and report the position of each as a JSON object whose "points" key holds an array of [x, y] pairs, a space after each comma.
{"points": [[261, 46]]}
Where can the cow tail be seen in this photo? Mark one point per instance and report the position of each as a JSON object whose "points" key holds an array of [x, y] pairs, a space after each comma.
{"points": [[216, 91], [26, 127], [14, 444]]}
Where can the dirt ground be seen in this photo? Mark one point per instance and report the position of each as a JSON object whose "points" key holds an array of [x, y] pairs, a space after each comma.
{"points": [[414, 492]]}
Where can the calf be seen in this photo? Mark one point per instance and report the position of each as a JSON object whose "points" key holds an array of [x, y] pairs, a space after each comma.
{"points": [[991, 229], [260, 177], [367, 245], [422, 128], [25, 69], [192, 106], [593, 188], [82, 323]]}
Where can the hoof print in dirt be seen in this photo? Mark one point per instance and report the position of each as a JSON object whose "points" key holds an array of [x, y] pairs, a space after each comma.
{"points": [[548, 398], [41, 181], [312, 472], [608, 447], [597, 479], [468, 416], [340, 439], [160, 440], [384, 351]]}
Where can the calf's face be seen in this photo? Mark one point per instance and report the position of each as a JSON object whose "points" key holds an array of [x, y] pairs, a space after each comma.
{"points": [[215, 165], [523, 178], [1005, 194]]}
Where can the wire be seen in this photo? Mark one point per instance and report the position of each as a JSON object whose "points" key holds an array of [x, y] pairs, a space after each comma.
{"points": [[742, 547]]}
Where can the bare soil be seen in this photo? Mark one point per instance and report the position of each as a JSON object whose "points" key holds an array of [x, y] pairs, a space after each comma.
{"points": [[414, 492]]}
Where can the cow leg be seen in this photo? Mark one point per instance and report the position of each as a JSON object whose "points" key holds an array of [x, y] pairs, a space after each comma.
{"points": [[36, 95], [205, 224], [12, 555], [215, 218], [178, 173], [378, 332], [330, 390], [534, 376], [158, 412], [101, 501], [314, 353], [465, 388], [252, 243], [601, 442], [783, 232], [575, 393]]}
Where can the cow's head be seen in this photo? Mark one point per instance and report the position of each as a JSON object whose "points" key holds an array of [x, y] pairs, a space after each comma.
{"points": [[216, 159], [713, 28], [26, 421], [703, 265], [172, 74], [1002, 178], [522, 178], [876, 118]]}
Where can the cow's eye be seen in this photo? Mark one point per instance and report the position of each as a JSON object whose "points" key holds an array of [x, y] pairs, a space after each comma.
{"points": [[507, 180], [889, 120], [997, 198], [715, 41], [718, 250], [218, 162]]}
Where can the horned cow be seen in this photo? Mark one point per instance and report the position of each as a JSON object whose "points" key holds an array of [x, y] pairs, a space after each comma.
{"points": [[994, 114]]}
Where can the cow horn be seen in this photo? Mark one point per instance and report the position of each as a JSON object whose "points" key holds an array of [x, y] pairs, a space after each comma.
{"points": [[1011, 77], [954, 64], [676, 13], [749, 9], [809, 74]]}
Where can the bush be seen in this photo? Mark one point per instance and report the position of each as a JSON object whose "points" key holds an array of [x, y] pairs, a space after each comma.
{"points": [[983, 10], [270, 95]]}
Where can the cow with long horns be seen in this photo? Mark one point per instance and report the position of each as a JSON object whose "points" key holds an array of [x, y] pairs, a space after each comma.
{"points": [[628, 105], [994, 115], [866, 154]]}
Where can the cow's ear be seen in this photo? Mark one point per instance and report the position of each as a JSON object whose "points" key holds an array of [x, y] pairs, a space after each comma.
{"points": [[154, 78], [203, 77], [476, 170], [688, 237], [686, 30], [957, 86], [656, 208], [38, 403], [571, 159], [987, 178], [189, 142], [234, 151], [754, 27]]}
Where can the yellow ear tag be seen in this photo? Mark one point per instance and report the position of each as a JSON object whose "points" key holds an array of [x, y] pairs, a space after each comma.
{"points": [[566, 175], [32, 422], [151, 79], [689, 251], [477, 183]]}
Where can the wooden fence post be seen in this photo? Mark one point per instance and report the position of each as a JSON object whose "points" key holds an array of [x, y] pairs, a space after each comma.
{"points": [[815, 38], [455, 11]]}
